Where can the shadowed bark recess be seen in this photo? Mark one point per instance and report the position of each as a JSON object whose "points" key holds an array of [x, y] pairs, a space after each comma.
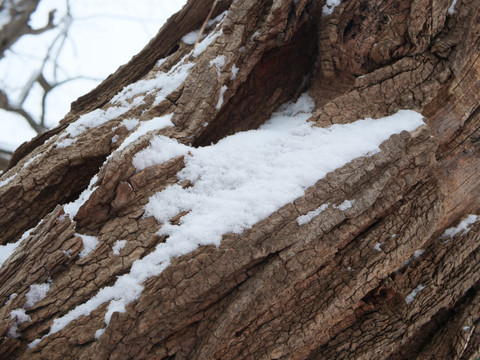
{"points": [[387, 264]]}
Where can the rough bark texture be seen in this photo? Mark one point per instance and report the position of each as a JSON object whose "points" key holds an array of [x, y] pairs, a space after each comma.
{"points": [[279, 290]]}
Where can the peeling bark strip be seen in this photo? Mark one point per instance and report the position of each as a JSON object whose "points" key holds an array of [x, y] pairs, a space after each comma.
{"points": [[226, 201]]}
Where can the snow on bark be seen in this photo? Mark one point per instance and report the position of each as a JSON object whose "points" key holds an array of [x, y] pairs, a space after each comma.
{"points": [[236, 183], [463, 227]]}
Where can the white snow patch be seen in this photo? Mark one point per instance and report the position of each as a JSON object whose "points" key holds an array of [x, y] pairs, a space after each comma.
{"points": [[130, 124], [7, 180], [66, 143], [220, 98], [451, 9], [72, 208], [126, 289], [466, 328], [219, 63], [255, 34], [119, 245], [36, 293], [146, 126], [29, 161], [161, 61], [239, 181], [7, 250], [205, 43], [191, 37], [217, 19], [89, 243], [347, 204], [88, 121], [115, 139], [21, 318], [34, 343], [99, 333], [113, 307], [329, 7], [245, 177], [234, 72], [161, 149], [349, 269], [304, 219], [377, 246], [409, 298], [161, 85], [463, 228], [418, 253], [12, 296]]}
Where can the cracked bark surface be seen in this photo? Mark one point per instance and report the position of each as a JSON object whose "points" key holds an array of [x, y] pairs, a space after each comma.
{"points": [[279, 290]]}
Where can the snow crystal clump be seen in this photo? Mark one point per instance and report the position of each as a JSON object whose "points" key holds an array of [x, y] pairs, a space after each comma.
{"points": [[7, 180], [88, 121], [409, 298], [7, 250], [217, 19], [378, 247], [463, 228], [347, 204], [418, 253], [99, 333], [205, 43], [161, 85], [247, 176], [130, 124], [21, 317], [161, 149], [113, 307], [89, 243], [72, 208], [304, 219], [329, 7], [237, 182], [219, 63], [220, 98], [36, 293], [191, 37], [119, 245], [29, 161], [234, 72], [150, 125], [12, 296], [451, 9]]}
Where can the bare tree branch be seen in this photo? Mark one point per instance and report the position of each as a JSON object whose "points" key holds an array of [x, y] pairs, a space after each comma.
{"points": [[18, 13]]}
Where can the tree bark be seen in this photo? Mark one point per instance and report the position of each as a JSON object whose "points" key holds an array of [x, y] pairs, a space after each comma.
{"points": [[382, 279]]}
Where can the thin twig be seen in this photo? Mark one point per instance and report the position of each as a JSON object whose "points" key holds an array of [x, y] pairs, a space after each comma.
{"points": [[205, 23]]}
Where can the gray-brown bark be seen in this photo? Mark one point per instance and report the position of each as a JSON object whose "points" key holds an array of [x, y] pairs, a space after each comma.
{"points": [[279, 290]]}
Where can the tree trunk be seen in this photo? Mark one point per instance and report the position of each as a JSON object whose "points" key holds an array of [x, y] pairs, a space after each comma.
{"points": [[379, 258]]}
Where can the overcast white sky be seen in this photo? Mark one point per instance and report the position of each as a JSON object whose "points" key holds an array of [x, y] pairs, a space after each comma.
{"points": [[104, 35]]}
